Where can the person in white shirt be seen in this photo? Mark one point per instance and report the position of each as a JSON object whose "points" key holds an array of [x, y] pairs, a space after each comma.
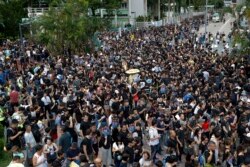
{"points": [[16, 162], [154, 139], [145, 160], [46, 102], [117, 149], [30, 143]]}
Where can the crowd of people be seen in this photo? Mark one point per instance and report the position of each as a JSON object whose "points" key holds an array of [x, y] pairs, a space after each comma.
{"points": [[186, 106]]}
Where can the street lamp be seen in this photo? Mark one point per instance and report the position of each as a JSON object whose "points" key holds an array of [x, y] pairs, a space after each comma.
{"points": [[206, 21]]}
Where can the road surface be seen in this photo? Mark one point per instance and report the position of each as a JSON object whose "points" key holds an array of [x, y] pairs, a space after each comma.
{"points": [[219, 27]]}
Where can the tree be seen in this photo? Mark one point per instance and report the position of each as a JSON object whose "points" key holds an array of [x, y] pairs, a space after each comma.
{"points": [[12, 12], [67, 25], [94, 5], [218, 4], [197, 3]]}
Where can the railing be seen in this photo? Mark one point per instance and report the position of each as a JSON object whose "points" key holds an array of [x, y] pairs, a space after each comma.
{"points": [[167, 20], [34, 12]]}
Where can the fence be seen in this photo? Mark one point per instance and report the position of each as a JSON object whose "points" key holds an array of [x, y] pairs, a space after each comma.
{"points": [[34, 12], [168, 20]]}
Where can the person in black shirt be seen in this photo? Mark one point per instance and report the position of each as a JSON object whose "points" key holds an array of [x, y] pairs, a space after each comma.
{"points": [[209, 154], [172, 143], [85, 125], [130, 151], [125, 159], [105, 149], [137, 149], [124, 134], [203, 144], [73, 153], [86, 146], [13, 136], [240, 155], [60, 161]]}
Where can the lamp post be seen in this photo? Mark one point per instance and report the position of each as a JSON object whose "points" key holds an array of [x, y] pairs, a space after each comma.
{"points": [[206, 20]]}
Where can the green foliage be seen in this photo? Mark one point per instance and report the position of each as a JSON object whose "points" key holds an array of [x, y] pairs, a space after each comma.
{"points": [[242, 39], [218, 4], [5, 157], [94, 4], [197, 3], [1, 146], [67, 25], [248, 13], [227, 10], [1, 131], [143, 19], [12, 12], [109, 5]]}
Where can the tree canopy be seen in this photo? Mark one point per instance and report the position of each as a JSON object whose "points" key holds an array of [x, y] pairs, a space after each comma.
{"points": [[11, 14], [68, 25]]}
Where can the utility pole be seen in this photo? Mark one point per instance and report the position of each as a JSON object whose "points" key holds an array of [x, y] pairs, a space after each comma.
{"points": [[159, 9], [206, 22]]}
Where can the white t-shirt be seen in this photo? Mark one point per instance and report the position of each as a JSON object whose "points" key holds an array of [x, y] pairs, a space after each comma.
{"points": [[144, 163], [117, 146], [29, 138], [14, 164], [46, 100], [153, 133]]}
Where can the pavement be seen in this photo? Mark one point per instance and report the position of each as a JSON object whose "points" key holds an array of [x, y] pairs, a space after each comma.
{"points": [[221, 27]]}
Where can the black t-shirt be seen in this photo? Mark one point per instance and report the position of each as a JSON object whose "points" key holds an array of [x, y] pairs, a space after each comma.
{"points": [[71, 153], [172, 143], [202, 147], [207, 154], [240, 159], [130, 152], [88, 143], [102, 142], [142, 115], [124, 137], [12, 132], [84, 127]]}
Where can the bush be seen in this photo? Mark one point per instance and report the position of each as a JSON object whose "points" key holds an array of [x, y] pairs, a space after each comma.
{"points": [[1, 146], [1, 131]]}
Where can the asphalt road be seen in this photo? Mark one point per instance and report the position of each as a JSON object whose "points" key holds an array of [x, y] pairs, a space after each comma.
{"points": [[219, 26]]}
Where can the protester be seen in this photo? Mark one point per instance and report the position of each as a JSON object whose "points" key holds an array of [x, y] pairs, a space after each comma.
{"points": [[16, 162], [39, 158]]}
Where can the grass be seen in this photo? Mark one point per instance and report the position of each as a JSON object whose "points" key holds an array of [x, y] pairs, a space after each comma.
{"points": [[5, 159]]}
